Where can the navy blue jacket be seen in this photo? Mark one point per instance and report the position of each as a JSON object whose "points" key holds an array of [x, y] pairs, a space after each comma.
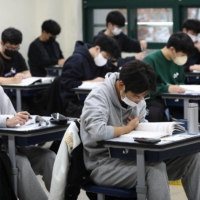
{"points": [[192, 60], [126, 44], [77, 68]]}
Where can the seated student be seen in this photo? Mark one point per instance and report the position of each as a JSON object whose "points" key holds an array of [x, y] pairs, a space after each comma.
{"points": [[15, 68], [114, 22], [30, 161], [45, 51], [115, 109], [192, 28], [167, 64], [87, 63]]}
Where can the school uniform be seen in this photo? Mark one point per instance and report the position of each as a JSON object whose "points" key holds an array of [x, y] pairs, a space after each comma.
{"points": [[126, 44]]}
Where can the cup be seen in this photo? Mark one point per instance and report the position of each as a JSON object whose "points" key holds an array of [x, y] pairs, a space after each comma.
{"points": [[193, 116]]}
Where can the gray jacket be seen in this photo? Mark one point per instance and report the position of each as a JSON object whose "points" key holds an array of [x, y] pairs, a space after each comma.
{"points": [[102, 110], [6, 108]]}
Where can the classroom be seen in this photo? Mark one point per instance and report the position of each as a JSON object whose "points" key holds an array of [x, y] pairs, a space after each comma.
{"points": [[100, 100]]}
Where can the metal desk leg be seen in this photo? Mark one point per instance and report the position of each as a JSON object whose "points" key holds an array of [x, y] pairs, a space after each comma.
{"points": [[141, 187], [59, 72], [19, 103], [185, 105], [11, 147]]}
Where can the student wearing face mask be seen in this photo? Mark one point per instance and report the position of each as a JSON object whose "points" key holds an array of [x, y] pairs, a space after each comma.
{"points": [[105, 115], [168, 66], [45, 51], [192, 28], [87, 63], [115, 21], [13, 64]]}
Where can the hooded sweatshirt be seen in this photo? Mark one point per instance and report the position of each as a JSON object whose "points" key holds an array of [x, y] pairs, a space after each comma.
{"points": [[102, 110], [126, 44], [80, 67], [6, 108]]}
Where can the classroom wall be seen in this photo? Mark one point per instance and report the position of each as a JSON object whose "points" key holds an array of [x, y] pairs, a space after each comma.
{"points": [[28, 15]]}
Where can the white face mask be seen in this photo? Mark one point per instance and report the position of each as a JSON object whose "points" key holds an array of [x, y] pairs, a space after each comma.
{"points": [[116, 31], [100, 61], [128, 101], [180, 60], [193, 37]]}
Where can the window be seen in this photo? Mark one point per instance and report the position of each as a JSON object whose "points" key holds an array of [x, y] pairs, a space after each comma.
{"points": [[154, 25], [100, 19]]}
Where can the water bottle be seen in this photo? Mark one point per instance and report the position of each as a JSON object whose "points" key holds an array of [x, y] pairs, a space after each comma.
{"points": [[193, 116]]}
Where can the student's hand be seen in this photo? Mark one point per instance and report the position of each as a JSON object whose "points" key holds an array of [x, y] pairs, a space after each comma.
{"points": [[133, 123], [128, 119], [61, 61], [140, 55], [143, 45], [98, 79], [197, 45], [194, 67], [18, 78], [20, 118], [175, 89]]}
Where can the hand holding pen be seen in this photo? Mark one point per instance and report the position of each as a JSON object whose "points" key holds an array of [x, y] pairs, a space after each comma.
{"points": [[19, 118]]}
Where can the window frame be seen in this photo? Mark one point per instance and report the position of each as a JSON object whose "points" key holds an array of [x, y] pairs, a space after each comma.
{"points": [[179, 13]]}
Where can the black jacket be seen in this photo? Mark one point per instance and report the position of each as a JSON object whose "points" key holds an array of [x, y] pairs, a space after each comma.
{"points": [[43, 54]]}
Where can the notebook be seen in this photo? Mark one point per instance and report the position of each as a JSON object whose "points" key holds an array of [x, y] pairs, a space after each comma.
{"points": [[89, 85], [155, 130], [34, 80], [191, 89]]}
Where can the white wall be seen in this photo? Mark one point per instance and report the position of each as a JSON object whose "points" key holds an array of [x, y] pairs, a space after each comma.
{"points": [[28, 16]]}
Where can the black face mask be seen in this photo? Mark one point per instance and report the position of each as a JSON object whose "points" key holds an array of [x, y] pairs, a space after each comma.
{"points": [[51, 39], [10, 53]]}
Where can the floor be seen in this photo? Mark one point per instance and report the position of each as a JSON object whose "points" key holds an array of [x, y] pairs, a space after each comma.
{"points": [[177, 192]]}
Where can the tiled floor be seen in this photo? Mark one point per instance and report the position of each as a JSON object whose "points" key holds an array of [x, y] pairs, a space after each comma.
{"points": [[177, 192]]}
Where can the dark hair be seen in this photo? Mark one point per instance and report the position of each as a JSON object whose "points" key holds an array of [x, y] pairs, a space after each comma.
{"points": [[192, 25], [1, 67], [51, 26], [138, 77], [181, 42], [11, 35], [116, 18], [109, 45]]}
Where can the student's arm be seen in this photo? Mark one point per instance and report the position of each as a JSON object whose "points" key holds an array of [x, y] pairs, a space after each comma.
{"points": [[26, 74], [95, 116], [10, 80], [195, 67], [129, 44]]}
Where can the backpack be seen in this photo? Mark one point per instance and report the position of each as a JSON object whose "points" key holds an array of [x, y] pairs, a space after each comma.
{"points": [[6, 188]]}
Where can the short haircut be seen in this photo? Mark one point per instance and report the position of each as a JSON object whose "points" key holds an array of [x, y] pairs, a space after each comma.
{"points": [[116, 18], [192, 25], [1, 67], [138, 77], [181, 42], [51, 27], [109, 45], [11, 35]]}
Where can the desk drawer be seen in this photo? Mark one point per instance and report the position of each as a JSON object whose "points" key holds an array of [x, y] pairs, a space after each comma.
{"points": [[153, 156]]}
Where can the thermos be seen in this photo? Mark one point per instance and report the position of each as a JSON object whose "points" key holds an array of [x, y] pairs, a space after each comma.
{"points": [[193, 115]]}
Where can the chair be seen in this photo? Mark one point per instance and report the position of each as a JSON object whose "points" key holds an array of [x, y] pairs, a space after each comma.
{"points": [[101, 191]]}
